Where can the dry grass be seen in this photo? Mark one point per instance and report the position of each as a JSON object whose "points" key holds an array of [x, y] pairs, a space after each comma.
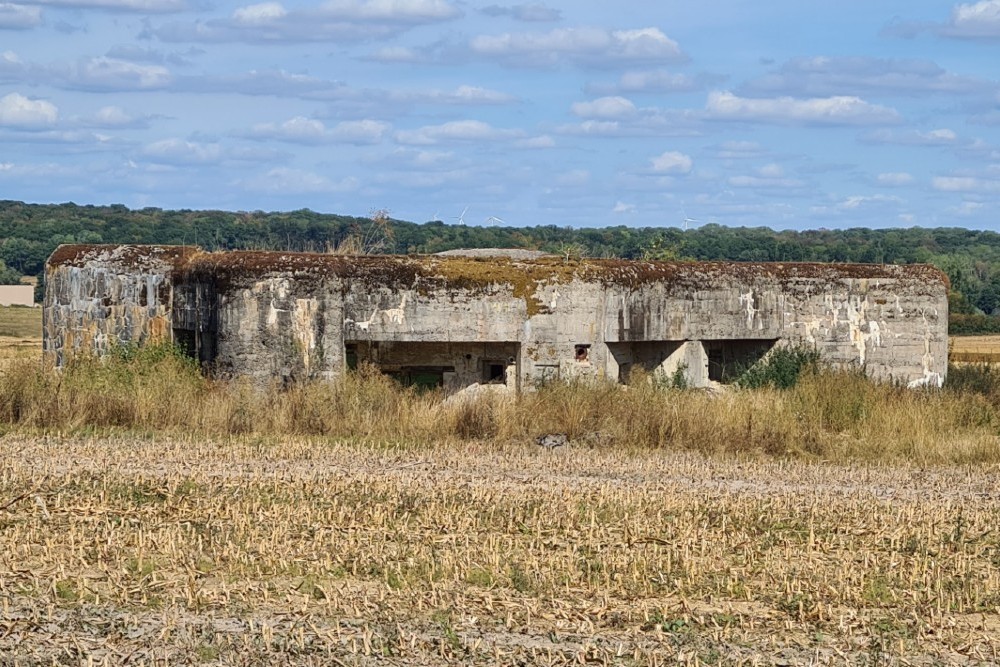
{"points": [[296, 551], [148, 516], [828, 416], [21, 323], [974, 349]]}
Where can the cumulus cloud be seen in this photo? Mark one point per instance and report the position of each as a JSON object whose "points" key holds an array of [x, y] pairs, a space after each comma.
{"points": [[770, 176], [535, 143], [672, 162], [114, 117], [342, 20], [264, 12], [894, 179], [288, 181], [308, 131], [837, 110], [608, 108], [938, 137], [111, 74], [136, 6], [535, 12], [455, 131], [591, 46], [966, 184], [13, 69], [19, 17], [739, 150], [822, 76], [181, 152], [621, 207], [20, 112], [648, 81], [979, 20]]}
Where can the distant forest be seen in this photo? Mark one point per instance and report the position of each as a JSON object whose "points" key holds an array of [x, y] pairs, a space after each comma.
{"points": [[971, 259]]}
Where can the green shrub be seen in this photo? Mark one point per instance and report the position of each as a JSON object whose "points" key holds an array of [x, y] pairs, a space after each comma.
{"points": [[779, 369]]}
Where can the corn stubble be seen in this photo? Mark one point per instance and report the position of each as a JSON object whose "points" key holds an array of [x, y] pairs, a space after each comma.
{"points": [[148, 516]]}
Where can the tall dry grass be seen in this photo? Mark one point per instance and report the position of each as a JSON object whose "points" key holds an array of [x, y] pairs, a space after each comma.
{"points": [[827, 415]]}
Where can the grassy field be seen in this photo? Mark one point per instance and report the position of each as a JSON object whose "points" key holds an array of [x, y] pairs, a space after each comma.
{"points": [[149, 516], [974, 349], [291, 551], [20, 323]]}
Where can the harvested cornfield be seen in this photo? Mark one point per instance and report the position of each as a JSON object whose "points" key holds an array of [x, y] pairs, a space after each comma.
{"points": [[143, 550], [974, 349]]}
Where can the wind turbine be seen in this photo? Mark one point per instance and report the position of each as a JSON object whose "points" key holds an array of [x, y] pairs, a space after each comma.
{"points": [[493, 220], [685, 219], [461, 218]]}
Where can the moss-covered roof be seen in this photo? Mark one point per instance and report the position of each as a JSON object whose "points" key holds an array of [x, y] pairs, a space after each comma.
{"points": [[471, 272]]}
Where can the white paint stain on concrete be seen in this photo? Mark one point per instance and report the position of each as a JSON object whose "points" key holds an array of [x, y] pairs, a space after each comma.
{"points": [[396, 315], [748, 305]]}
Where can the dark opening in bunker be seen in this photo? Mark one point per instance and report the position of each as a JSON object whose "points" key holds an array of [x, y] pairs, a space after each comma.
{"points": [[494, 372], [729, 359], [647, 355], [198, 345], [453, 365]]}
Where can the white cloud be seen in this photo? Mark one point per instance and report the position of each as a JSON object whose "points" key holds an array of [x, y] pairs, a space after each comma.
{"points": [[672, 162], [342, 20], [894, 179], [541, 141], [310, 131], [111, 74], [20, 112], [179, 151], [771, 171], [398, 54], [262, 13], [594, 46], [621, 207], [532, 13], [975, 20], [287, 181], [837, 110], [607, 108], [857, 201], [19, 17], [114, 117], [573, 178], [938, 137], [739, 150], [770, 176], [969, 184], [647, 81], [843, 75], [139, 6], [459, 130]]}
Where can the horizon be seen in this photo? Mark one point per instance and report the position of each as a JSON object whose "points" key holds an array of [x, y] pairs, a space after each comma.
{"points": [[520, 115]]}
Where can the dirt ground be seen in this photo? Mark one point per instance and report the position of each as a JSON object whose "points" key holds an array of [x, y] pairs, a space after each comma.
{"points": [[139, 550]]}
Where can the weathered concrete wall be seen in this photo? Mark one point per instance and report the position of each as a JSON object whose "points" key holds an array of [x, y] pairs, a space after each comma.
{"points": [[100, 296], [287, 317]]}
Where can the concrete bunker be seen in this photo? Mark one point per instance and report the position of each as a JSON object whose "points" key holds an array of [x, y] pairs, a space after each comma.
{"points": [[511, 319]]}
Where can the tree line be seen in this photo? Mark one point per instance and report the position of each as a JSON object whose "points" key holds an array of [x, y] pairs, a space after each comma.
{"points": [[970, 258]]}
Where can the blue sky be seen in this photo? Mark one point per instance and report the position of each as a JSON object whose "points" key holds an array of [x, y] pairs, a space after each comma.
{"points": [[788, 114]]}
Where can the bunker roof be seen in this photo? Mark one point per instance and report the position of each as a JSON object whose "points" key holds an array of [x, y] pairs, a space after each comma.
{"points": [[466, 272]]}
